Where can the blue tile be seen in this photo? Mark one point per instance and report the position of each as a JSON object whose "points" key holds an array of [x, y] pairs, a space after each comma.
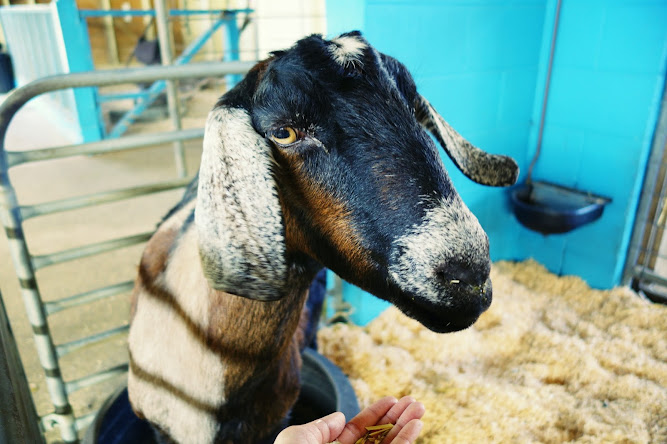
{"points": [[345, 15], [429, 43], [504, 35], [617, 103], [610, 165], [516, 98], [467, 101], [560, 157], [597, 266], [634, 37], [548, 250], [579, 34]]}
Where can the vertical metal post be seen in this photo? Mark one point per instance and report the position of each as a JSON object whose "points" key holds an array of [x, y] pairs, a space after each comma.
{"points": [[232, 51], [110, 33], [649, 189], [11, 219], [18, 418], [166, 53]]}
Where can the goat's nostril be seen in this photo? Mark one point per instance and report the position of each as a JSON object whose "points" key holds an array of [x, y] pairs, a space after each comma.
{"points": [[457, 273], [441, 276]]}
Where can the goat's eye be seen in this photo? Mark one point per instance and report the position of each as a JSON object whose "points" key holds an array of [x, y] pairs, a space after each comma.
{"points": [[284, 135]]}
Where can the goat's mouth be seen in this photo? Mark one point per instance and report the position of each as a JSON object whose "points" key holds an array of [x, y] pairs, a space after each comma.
{"points": [[457, 310]]}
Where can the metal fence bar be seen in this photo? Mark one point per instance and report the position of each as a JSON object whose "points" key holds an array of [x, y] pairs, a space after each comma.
{"points": [[648, 189], [102, 98], [95, 378], [84, 421], [85, 13], [10, 216], [650, 276], [46, 260], [156, 88], [17, 98], [88, 296], [73, 203], [103, 146], [11, 219], [69, 347], [166, 56]]}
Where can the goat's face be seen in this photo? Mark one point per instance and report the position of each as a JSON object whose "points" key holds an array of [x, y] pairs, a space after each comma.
{"points": [[336, 131]]}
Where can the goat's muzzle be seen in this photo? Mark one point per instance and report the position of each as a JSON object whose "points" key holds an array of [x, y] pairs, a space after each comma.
{"points": [[440, 269]]}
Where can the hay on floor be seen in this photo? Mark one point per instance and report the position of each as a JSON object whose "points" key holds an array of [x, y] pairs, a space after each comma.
{"points": [[552, 361]]}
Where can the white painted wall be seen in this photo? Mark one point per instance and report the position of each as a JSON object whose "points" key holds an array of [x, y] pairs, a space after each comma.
{"points": [[276, 24]]}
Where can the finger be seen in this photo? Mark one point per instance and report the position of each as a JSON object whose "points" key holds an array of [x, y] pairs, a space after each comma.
{"points": [[396, 411], [409, 433], [328, 427], [356, 428], [315, 432], [414, 411]]}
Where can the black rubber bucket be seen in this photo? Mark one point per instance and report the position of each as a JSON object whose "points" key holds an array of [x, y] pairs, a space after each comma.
{"points": [[324, 389], [553, 209]]}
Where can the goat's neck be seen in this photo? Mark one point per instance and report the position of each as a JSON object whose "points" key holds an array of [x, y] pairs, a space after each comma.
{"points": [[221, 366]]}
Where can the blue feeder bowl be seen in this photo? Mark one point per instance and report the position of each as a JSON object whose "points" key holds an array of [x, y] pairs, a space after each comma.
{"points": [[552, 209], [324, 389]]}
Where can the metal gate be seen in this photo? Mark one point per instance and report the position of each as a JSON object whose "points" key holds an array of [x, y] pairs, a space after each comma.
{"points": [[646, 265], [13, 214]]}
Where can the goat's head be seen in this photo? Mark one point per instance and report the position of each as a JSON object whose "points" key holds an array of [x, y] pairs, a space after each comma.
{"points": [[320, 156]]}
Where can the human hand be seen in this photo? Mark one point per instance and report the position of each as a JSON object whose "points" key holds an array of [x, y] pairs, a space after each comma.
{"points": [[404, 414]]}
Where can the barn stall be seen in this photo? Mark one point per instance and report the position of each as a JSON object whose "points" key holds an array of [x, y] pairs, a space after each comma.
{"points": [[555, 359]]}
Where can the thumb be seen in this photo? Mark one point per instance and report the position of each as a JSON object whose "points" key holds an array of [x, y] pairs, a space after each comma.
{"points": [[320, 431]]}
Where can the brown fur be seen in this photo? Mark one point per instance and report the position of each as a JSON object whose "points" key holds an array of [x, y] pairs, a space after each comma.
{"points": [[153, 261], [329, 215], [259, 363]]}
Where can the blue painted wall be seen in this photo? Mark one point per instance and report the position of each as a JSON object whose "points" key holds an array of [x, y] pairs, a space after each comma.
{"points": [[608, 77], [483, 63]]}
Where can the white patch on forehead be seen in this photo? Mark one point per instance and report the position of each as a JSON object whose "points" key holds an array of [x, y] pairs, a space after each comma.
{"points": [[347, 50], [449, 231], [238, 214]]}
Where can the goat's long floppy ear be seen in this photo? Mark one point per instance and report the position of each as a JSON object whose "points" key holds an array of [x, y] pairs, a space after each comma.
{"points": [[238, 214], [477, 165]]}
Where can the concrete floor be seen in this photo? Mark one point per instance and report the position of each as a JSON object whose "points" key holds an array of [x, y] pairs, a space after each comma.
{"points": [[79, 175]]}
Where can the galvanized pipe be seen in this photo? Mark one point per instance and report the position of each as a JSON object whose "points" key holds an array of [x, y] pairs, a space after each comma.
{"points": [[71, 254], [95, 378], [166, 52], [69, 347], [32, 300], [74, 203], [104, 146], [86, 297], [17, 98], [156, 88], [631, 270], [11, 218]]}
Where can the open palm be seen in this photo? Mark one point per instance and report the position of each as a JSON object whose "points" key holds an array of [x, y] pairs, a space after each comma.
{"points": [[405, 414]]}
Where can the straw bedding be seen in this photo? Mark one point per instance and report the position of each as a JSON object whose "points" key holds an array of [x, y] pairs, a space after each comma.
{"points": [[552, 361]]}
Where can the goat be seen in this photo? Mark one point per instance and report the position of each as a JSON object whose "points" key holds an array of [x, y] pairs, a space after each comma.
{"points": [[317, 158]]}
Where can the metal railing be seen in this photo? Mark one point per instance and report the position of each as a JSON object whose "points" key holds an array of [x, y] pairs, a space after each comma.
{"points": [[13, 214], [646, 263]]}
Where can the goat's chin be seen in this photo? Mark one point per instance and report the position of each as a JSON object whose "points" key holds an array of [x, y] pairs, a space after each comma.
{"points": [[445, 318]]}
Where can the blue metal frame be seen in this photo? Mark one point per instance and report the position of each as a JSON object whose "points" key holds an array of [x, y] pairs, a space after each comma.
{"points": [[87, 13], [152, 93], [77, 45], [79, 59]]}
